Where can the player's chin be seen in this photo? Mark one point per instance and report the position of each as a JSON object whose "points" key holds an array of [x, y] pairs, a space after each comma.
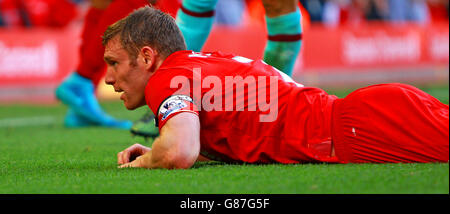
{"points": [[129, 106], [133, 102]]}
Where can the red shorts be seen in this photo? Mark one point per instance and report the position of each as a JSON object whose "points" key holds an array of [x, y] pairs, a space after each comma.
{"points": [[390, 123]]}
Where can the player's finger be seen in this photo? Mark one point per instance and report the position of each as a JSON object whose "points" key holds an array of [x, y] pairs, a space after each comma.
{"points": [[119, 158], [136, 148], [132, 164], [127, 165], [125, 156]]}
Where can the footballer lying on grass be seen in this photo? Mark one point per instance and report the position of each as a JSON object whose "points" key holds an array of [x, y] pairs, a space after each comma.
{"points": [[228, 108]]}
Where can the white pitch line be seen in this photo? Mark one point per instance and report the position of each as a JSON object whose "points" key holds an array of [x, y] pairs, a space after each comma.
{"points": [[27, 121]]}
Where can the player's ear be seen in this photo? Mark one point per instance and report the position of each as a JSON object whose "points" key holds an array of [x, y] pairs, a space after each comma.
{"points": [[148, 56]]}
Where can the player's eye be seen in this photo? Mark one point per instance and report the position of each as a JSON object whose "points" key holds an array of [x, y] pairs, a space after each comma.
{"points": [[111, 62]]}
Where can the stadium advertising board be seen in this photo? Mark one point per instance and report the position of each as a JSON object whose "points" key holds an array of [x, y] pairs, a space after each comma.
{"points": [[34, 61]]}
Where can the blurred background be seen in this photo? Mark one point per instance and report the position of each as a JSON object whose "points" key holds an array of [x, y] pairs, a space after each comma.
{"points": [[346, 43]]}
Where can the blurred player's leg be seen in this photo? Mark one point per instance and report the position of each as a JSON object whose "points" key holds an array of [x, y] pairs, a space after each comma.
{"points": [[79, 94], [195, 19], [78, 90], [285, 34], [391, 123], [145, 127], [90, 24]]}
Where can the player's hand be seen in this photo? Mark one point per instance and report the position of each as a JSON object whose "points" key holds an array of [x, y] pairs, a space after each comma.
{"points": [[132, 153], [142, 161]]}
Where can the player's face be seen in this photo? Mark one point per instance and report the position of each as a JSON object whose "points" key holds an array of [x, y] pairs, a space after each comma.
{"points": [[125, 75]]}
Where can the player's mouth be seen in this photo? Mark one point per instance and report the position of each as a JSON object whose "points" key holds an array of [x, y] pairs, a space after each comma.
{"points": [[118, 90]]}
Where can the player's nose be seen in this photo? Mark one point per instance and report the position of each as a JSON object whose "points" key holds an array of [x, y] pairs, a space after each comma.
{"points": [[109, 77]]}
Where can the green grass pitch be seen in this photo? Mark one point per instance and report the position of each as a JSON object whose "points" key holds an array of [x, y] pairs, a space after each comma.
{"points": [[39, 155]]}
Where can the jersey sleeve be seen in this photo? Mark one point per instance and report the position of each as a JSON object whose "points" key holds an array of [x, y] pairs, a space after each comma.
{"points": [[167, 96]]}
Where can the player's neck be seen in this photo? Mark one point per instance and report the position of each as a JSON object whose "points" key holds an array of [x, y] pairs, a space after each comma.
{"points": [[158, 62]]}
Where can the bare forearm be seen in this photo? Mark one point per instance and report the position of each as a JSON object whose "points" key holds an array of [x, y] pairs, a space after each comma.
{"points": [[150, 162], [167, 157], [177, 146], [155, 160]]}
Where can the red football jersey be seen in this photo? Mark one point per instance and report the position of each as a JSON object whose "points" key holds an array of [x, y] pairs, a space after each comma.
{"points": [[248, 110]]}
